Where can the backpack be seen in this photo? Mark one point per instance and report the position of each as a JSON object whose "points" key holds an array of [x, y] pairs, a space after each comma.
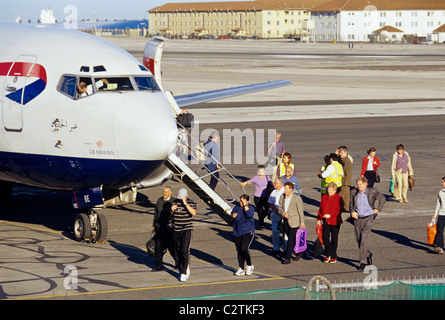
{"points": [[186, 120], [200, 152]]}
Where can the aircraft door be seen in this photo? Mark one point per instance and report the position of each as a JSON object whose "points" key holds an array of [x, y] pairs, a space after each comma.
{"points": [[14, 92]]}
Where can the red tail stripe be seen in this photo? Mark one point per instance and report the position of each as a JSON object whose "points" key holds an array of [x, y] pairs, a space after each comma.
{"points": [[23, 69]]}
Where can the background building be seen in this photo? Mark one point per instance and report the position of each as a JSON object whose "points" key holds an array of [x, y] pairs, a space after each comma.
{"points": [[252, 19], [361, 20]]}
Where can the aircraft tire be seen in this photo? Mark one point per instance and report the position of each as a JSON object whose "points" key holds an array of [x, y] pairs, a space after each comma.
{"points": [[82, 227], [101, 228]]}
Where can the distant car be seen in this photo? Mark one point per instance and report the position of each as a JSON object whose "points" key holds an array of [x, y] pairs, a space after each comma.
{"points": [[428, 42]]}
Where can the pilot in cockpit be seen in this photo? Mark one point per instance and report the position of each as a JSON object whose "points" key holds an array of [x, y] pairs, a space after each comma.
{"points": [[82, 89]]}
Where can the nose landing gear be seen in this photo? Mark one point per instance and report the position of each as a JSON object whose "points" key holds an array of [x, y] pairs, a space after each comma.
{"points": [[90, 227]]}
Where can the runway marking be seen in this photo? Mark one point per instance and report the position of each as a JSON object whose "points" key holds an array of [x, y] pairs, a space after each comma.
{"points": [[262, 276], [146, 288], [17, 224]]}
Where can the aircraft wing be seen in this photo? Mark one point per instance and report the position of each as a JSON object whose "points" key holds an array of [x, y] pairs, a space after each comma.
{"points": [[195, 98]]}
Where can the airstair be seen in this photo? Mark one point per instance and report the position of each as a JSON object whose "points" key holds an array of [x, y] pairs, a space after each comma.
{"points": [[187, 164]]}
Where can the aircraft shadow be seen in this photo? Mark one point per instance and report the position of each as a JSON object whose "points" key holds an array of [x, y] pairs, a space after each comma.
{"points": [[52, 209]]}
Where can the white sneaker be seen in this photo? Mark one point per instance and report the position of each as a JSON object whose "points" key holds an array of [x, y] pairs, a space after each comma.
{"points": [[249, 270], [188, 272], [240, 272], [183, 278]]}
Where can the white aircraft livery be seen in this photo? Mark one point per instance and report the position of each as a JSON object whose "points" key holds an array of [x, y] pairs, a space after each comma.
{"points": [[79, 113]]}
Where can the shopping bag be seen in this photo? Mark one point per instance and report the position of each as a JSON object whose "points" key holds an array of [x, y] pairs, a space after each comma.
{"points": [[431, 232], [300, 241], [391, 185], [319, 232]]}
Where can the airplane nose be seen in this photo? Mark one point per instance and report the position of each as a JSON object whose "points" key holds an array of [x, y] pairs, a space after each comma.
{"points": [[144, 128]]}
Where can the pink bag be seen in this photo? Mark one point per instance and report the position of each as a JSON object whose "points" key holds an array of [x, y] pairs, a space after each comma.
{"points": [[300, 241]]}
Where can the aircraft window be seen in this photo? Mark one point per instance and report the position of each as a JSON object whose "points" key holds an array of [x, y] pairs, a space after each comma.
{"points": [[99, 69], [143, 68], [67, 85], [146, 83], [113, 84], [84, 69]]}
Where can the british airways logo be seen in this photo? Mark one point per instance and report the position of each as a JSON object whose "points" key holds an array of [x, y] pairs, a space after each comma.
{"points": [[25, 80]]}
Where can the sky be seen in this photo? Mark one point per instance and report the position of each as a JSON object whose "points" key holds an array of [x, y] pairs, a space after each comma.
{"points": [[86, 9]]}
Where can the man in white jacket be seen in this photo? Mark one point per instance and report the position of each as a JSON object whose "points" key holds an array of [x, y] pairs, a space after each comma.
{"points": [[439, 216]]}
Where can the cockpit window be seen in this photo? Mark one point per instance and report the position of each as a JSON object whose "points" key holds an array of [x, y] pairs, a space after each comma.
{"points": [[113, 84], [75, 87], [146, 83], [78, 87], [99, 69], [67, 85]]}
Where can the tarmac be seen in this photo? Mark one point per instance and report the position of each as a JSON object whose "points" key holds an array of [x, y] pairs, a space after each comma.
{"points": [[370, 96]]}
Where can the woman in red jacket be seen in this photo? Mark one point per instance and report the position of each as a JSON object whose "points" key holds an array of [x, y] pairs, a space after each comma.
{"points": [[331, 207], [369, 167]]}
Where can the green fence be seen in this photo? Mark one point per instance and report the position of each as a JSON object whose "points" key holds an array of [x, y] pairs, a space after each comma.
{"points": [[394, 291]]}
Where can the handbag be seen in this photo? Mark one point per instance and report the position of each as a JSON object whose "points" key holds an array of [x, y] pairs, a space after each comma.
{"points": [[431, 232], [391, 185], [318, 248], [300, 241], [151, 244], [377, 178], [411, 182]]}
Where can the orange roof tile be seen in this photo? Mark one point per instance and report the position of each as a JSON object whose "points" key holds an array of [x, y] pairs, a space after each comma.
{"points": [[258, 5], [440, 29], [339, 5], [387, 29]]}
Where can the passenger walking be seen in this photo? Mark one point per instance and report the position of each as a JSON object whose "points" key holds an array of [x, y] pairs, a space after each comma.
{"points": [[212, 163], [289, 177], [286, 163], [439, 216], [364, 206], [244, 232], [333, 172], [277, 150], [369, 167], [183, 209], [274, 201], [401, 168], [292, 212], [260, 198], [323, 184], [163, 227], [329, 215], [346, 182]]}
